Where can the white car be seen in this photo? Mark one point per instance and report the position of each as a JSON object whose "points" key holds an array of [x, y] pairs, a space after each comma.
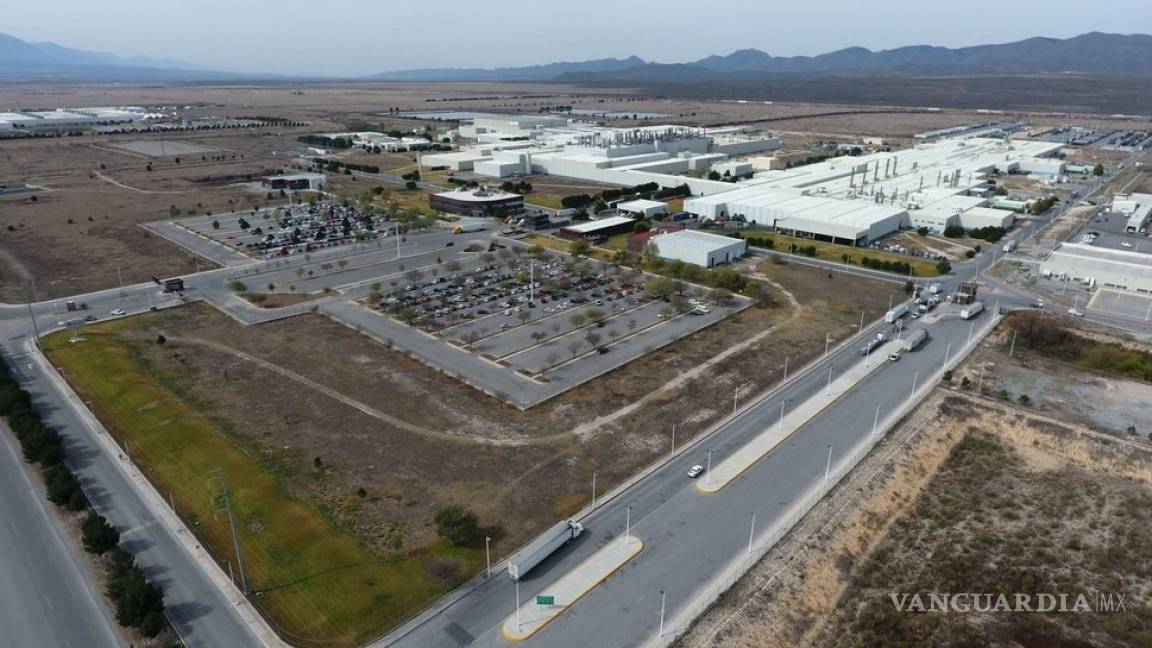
{"points": [[116, 311], [695, 471], [1075, 313], [1125, 244]]}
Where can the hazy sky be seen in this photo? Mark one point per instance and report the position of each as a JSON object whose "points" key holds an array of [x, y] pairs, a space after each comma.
{"points": [[352, 37]]}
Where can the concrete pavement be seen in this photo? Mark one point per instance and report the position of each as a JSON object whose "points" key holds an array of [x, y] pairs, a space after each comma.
{"points": [[46, 597]]}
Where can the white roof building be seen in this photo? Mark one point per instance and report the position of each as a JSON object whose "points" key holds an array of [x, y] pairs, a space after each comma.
{"points": [[643, 208], [1109, 268], [698, 248], [1137, 207]]}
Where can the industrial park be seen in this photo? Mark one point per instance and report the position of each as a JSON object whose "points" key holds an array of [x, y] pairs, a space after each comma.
{"points": [[569, 354]]}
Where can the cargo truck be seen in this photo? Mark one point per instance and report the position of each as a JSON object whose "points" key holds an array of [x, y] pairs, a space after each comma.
{"points": [[896, 313], [915, 339], [1009, 246], [524, 560], [972, 310], [872, 344], [934, 289]]}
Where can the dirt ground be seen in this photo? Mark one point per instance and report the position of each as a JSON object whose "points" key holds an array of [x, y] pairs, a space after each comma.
{"points": [[73, 235], [520, 470], [968, 494]]}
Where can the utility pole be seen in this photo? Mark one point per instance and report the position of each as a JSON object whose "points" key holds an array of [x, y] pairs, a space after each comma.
{"points": [[223, 494]]}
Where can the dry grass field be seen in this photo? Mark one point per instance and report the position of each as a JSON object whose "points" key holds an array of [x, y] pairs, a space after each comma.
{"points": [[323, 415]]}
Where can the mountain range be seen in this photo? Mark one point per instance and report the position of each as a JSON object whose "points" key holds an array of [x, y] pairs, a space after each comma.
{"points": [[1091, 53]]}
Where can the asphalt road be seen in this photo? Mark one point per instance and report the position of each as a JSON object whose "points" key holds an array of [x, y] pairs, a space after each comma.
{"points": [[45, 599]]}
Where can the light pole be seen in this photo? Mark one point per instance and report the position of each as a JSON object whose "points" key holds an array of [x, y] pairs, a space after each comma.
{"points": [[860, 329], [828, 466], [628, 525], [782, 416], [1148, 315], [828, 389], [593, 490], [751, 532], [980, 381], [971, 330], [1012, 348], [708, 471], [673, 453], [735, 396], [947, 353], [827, 341], [915, 377], [785, 370], [876, 420], [663, 599], [488, 554]]}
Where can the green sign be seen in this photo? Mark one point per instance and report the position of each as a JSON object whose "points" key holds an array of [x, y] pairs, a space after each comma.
{"points": [[545, 600]]}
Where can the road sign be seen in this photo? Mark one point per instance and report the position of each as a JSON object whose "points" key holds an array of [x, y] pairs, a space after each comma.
{"points": [[545, 600]]}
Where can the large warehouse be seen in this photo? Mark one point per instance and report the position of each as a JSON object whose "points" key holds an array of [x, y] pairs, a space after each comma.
{"points": [[1136, 207], [698, 248], [1101, 267], [477, 202]]}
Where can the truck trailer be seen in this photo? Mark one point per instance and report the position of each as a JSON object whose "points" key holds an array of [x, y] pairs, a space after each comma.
{"points": [[972, 310], [896, 313], [871, 345], [465, 228], [1009, 246], [915, 340], [559, 535]]}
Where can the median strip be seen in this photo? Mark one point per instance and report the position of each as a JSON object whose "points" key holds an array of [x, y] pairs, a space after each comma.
{"points": [[564, 592], [744, 458]]}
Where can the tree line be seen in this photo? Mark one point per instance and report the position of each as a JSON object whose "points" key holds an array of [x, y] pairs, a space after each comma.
{"points": [[139, 603]]}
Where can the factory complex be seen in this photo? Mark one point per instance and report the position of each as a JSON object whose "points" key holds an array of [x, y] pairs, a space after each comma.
{"points": [[853, 200], [65, 118]]}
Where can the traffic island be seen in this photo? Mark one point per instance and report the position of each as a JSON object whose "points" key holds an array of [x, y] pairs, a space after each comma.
{"points": [[724, 473], [563, 593]]}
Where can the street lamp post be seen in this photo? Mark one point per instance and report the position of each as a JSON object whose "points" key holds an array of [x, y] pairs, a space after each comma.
{"points": [[1012, 348], [628, 525], [827, 341], [785, 370], [828, 389], [947, 353], [828, 466], [876, 420], [673, 452], [488, 554], [915, 377], [663, 599], [751, 533], [593, 490], [782, 416], [518, 626], [708, 472]]}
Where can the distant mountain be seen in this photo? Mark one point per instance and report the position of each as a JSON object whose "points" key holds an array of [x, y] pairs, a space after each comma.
{"points": [[1088, 53], [1094, 53], [528, 73], [22, 61]]}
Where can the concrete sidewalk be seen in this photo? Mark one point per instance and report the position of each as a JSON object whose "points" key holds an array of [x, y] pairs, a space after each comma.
{"points": [[735, 464], [570, 588]]}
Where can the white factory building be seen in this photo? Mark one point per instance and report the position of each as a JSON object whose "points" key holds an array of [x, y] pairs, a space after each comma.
{"points": [[643, 208], [860, 199], [1102, 267], [698, 248], [1136, 207], [71, 117]]}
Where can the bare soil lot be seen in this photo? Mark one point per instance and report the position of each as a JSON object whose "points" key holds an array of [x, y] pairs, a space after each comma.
{"points": [[969, 494]]}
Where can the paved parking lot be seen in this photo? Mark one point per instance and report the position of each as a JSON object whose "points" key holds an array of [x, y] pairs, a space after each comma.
{"points": [[1126, 304], [292, 230]]}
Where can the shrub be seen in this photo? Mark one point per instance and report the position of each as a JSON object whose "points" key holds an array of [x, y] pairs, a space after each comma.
{"points": [[457, 525], [99, 536]]}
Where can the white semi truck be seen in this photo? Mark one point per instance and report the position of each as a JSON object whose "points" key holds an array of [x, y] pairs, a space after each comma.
{"points": [[559, 535], [972, 310], [896, 313], [914, 340]]}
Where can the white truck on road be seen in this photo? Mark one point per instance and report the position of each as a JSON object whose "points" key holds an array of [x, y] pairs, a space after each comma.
{"points": [[914, 340], [972, 310], [1009, 246], [559, 535], [896, 313]]}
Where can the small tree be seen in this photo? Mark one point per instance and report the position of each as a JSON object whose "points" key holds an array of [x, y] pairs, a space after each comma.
{"points": [[457, 525], [1098, 170], [161, 340], [578, 320], [99, 536], [579, 248], [574, 348], [592, 338], [1024, 400]]}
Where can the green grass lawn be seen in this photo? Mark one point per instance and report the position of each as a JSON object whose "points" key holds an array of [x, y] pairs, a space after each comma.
{"points": [[833, 252], [316, 583]]}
